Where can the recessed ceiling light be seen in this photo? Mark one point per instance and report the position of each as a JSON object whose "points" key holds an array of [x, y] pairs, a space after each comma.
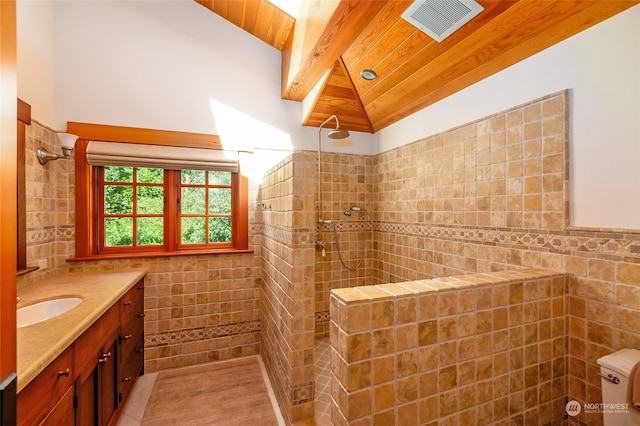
{"points": [[368, 74]]}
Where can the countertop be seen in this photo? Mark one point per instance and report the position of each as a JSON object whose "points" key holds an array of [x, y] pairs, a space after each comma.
{"points": [[39, 344]]}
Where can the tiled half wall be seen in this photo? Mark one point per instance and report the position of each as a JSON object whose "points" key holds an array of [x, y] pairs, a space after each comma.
{"points": [[487, 349]]}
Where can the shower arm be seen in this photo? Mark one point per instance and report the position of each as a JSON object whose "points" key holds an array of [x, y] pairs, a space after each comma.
{"points": [[333, 117]]}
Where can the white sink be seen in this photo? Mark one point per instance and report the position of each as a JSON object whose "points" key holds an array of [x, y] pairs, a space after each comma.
{"points": [[47, 309]]}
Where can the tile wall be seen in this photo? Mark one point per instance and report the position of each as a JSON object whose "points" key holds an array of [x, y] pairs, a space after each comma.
{"points": [[492, 195], [478, 349], [345, 181], [287, 196], [50, 205]]}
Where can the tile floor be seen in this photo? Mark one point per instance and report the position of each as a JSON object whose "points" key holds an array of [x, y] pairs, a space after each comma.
{"points": [[133, 410], [322, 355], [134, 406]]}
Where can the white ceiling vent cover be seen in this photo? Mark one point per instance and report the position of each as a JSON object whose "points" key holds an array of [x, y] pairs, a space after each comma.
{"points": [[440, 18]]}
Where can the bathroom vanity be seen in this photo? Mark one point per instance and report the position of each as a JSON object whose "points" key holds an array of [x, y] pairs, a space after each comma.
{"points": [[78, 366]]}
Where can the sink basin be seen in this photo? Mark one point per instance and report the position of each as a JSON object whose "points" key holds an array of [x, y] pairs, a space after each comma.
{"points": [[47, 309]]}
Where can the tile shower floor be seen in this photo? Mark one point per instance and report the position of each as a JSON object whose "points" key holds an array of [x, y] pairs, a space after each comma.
{"points": [[322, 360]]}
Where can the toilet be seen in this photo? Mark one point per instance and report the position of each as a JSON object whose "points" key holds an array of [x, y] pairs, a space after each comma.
{"points": [[614, 367]]}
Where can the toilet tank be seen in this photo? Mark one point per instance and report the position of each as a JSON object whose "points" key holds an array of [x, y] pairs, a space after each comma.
{"points": [[618, 365]]}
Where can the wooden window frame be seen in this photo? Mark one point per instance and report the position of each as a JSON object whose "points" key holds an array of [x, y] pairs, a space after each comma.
{"points": [[87, 246]]}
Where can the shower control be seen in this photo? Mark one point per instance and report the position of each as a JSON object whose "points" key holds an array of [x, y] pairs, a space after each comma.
{"points": [[320, 245]]}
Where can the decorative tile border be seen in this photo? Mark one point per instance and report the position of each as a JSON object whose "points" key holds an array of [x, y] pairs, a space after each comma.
{"points": [[620, 245], [295, 238], [199, 334]]}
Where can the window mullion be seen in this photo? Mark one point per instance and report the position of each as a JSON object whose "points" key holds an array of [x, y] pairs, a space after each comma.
{"points": [[134, 212], [171, 209]]}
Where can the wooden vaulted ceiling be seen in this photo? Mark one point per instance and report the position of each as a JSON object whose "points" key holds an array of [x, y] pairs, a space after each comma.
{"points": [[339, 38]]}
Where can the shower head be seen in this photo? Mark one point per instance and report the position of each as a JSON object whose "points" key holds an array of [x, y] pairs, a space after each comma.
{"points": [[338, 133]]}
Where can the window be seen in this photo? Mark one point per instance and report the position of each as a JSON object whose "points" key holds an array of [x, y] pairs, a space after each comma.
{"points": [[205, 207], [133, 210]]}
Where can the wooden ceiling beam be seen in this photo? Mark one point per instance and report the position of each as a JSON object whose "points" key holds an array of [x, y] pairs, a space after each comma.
{"points": [[322, 32], [258, 17]]}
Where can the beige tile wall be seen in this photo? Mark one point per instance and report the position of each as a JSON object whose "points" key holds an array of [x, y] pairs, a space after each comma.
{"points": [[492, 195], [287, 196], [488, 181], [485, 349], [50, 205], [346, 180]]}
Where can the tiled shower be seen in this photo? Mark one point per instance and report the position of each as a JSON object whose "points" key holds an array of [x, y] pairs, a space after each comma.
{"points": [[487, 196]]}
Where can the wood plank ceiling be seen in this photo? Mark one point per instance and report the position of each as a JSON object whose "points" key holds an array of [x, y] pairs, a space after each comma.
{"points": [[338, 39]]}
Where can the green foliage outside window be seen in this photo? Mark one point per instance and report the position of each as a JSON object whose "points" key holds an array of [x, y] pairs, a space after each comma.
{"points": [[205, 206], [119, 200], [206, 201]]}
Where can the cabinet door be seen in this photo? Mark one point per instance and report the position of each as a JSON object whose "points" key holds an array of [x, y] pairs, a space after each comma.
{"points": [[86, 397], [108, 384], [96, 391]]}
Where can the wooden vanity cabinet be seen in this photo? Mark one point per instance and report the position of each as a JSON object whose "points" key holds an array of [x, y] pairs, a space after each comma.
{"points": [[131, 338], [48, 398], [112, 355], [96, 360], [89, 382]]}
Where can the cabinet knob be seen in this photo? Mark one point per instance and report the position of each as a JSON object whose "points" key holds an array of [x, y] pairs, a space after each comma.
{"points": [[127, 379], [127, 303], [64, 373], [104, 358], [141, 315], [127, 336]]}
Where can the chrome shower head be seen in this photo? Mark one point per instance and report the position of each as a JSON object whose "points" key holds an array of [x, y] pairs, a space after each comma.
{"points": [[338, 133]]}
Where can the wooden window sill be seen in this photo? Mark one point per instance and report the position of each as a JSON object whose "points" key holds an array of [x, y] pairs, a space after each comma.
{"points": [[158, 254]]}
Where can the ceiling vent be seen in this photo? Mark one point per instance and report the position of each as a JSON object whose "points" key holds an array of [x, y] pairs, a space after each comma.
{"points": [[440, 18]]}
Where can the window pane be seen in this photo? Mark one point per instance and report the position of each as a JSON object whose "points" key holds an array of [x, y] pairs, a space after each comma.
{"points": [[193, 230], [150, 231], [219, 229], [150, 200], [118, 174], [118, 231], [219, 178], [192, 201], [219, 200], [118, 199], [193, 176], [150, 175]]}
